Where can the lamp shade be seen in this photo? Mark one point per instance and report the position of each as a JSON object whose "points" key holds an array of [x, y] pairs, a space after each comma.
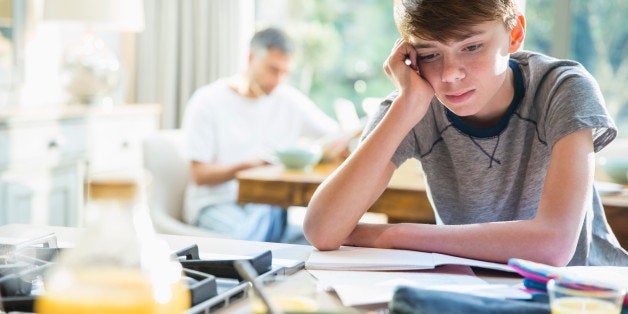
{"points": [[106, 15]]}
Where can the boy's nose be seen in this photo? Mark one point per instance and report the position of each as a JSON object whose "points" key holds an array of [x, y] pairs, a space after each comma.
{"points": [[452, 70]]}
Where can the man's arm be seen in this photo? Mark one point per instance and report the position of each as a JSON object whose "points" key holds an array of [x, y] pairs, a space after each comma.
{"points": [[551, 237], [205, 173]]}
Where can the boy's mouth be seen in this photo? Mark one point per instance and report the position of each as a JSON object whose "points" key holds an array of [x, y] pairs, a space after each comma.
{"points": [[459, 96]]}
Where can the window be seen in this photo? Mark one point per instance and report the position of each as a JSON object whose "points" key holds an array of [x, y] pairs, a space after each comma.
{"points": [[595, 35], [344, 44]]}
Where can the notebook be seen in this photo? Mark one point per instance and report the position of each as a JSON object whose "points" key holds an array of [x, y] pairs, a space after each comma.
{"points": [[362, 259]]}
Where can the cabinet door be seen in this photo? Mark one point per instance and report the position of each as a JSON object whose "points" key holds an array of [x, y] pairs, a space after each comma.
{"points": [[16, 201], [43, 196], [65, 196], [115, 142], [24, 199]]}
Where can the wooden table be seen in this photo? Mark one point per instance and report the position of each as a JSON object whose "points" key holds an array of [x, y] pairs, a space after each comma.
{"points": [[405, 199], [616, 209]]}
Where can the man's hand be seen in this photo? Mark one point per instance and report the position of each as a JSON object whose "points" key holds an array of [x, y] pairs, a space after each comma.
{"points": [[215, 173]]}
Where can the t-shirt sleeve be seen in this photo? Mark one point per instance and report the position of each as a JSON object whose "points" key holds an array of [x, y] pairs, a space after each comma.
{"points": [[575, 103], [198, 130]]}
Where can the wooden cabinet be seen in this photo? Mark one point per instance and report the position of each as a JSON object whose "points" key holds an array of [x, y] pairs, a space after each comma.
{"points": [[47, 154]]}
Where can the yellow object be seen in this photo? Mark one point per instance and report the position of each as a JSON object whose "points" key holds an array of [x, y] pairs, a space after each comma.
{"points": [[286, 304], [577, 305], [112, 291], [119, 265]]}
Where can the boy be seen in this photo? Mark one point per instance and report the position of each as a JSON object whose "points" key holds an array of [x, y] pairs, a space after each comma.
{"points": [[506, 140]]}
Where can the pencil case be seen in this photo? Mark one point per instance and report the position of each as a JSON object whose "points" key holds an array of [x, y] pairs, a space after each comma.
{"points": [[536, 276]]}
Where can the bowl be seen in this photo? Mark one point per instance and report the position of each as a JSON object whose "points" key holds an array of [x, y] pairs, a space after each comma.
{"points": [[616, 168], [299, 158]]}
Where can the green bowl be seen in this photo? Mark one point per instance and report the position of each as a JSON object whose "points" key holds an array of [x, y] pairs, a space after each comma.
{"points": [[300, 158], [616, 168]]}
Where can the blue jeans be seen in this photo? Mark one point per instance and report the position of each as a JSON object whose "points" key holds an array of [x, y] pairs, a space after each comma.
{"points": [[254, 222]]}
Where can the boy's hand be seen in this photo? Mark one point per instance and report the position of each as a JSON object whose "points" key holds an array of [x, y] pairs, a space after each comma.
{"points": [[402, 69]]}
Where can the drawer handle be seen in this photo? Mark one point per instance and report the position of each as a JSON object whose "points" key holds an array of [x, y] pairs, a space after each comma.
{"points": [[55, 143]]}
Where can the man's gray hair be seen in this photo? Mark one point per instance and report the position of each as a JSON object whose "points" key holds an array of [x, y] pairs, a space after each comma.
{"points": [[271, 38]]}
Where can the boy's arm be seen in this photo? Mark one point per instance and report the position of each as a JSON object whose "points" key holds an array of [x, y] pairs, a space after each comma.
{"points": [[551, 237], [341, 200], [346, 195]]}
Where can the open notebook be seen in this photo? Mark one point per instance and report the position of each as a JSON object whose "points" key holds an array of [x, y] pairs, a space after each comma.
{"points": [[361, 258]]}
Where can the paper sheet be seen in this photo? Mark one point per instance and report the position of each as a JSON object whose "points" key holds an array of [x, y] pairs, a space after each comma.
{"points": [[363, 258], [365, 287]]}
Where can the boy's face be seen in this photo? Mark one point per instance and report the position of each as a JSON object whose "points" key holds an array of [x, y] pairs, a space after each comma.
{"points": [[269, 69], [470, 76]]}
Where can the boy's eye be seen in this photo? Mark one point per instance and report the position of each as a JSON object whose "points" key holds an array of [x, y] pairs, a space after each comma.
{"points": [[428, 57], [473, 47]]}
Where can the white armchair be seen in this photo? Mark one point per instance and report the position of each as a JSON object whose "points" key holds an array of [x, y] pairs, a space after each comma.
{"points": [[169, 174]]}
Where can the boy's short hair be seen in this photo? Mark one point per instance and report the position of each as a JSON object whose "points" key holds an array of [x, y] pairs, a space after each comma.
{"points": [[271, 38], [445, 20]]}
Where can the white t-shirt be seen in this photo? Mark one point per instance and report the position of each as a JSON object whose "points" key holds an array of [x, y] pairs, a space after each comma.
{"points": [[223, 126]]}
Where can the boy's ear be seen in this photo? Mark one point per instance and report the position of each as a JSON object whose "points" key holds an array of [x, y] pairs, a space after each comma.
{"points": [[517, 34]]}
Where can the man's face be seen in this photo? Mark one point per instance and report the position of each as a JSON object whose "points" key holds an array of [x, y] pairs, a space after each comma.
{"points": [[269, 69], [468, 74]]}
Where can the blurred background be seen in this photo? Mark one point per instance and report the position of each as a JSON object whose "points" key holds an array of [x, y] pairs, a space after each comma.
{"points": [[84, 82], [342, 45]]}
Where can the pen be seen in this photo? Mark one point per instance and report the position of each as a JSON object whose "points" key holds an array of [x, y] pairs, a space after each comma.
{"points": [[247, 272]]}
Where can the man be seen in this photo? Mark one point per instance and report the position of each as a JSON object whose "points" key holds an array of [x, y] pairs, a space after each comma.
{"points": [[506, 139], [231, 124]]}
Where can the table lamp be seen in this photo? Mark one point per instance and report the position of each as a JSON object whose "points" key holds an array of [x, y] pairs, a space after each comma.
{"points": [[90, 70]]}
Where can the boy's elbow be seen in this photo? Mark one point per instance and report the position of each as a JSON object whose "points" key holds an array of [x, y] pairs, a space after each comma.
{"points": [[318, 238], [324, 245], [556, 252], [554, 259]]}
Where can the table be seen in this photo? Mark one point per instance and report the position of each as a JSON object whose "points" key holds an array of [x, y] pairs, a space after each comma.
{"points": [[67, 236], [405, 199], [616, 209]]}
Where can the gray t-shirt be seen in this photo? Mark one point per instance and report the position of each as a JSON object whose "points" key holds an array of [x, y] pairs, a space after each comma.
{"points": [[476, 175]]}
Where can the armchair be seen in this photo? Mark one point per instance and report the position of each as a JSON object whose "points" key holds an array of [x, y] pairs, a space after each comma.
{"points": [[169, 175]]}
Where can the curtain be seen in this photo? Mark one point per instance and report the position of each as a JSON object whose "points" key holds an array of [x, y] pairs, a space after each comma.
{"points": [[187, 44]]}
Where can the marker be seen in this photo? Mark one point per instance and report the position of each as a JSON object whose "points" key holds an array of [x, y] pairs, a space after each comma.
{"points": [[247, 272]]}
